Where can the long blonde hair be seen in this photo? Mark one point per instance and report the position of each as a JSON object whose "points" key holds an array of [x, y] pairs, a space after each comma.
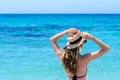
{"points": [[71, 58]]}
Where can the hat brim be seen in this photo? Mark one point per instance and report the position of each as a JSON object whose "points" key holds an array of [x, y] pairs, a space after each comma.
{"points": [[69, 46]]}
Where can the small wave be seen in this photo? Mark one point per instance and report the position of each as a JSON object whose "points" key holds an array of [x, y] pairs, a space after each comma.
{"points": [[109, 21], [12, 56], [55, 27], [28, 35], [18, 29]]}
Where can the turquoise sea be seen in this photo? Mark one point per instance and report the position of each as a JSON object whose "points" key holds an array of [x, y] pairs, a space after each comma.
{"points": [[26, 52]]}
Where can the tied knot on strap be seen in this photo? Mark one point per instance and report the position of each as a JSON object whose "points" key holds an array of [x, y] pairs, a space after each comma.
{"points": [[74, 77]]}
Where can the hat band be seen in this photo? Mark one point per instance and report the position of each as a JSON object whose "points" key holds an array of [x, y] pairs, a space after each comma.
{"points": [[76, 41]]}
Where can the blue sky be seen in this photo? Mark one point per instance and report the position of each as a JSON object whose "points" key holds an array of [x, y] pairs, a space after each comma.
{"points": [[59, 6]]}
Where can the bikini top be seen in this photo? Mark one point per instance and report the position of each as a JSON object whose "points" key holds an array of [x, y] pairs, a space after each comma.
{"points": [[75, 77]]}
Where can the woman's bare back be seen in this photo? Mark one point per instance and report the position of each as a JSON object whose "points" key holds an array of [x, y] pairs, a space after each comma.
{"points": [[81, 70]]}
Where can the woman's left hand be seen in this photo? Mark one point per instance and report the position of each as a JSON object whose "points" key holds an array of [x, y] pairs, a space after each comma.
{"points": [[86, 35]]}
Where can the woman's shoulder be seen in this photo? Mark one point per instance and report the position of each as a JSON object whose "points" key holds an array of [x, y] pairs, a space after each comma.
{"points": [[85, 55], [84, 58]]}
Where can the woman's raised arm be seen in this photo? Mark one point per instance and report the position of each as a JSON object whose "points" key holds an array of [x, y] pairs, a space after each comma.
{"points": [[56, 37], [104, 47]]}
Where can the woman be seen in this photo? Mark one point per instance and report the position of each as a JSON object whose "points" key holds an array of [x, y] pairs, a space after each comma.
{"points": [[75, 64]]}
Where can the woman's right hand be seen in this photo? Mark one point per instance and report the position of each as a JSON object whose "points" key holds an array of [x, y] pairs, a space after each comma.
{"points": [[86, 35]]}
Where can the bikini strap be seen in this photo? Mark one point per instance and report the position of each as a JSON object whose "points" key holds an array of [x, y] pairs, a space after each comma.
{"points": [[83, 75], [75, 77]]}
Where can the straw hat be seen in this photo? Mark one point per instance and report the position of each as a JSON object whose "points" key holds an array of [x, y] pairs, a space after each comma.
{"points": [[75, 41]]}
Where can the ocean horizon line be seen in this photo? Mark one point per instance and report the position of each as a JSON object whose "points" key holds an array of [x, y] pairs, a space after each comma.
{"points": [[59, 13]]}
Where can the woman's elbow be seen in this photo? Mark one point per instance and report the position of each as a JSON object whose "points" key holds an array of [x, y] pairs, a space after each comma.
{"points": [[52, 39], [107, 48]]}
